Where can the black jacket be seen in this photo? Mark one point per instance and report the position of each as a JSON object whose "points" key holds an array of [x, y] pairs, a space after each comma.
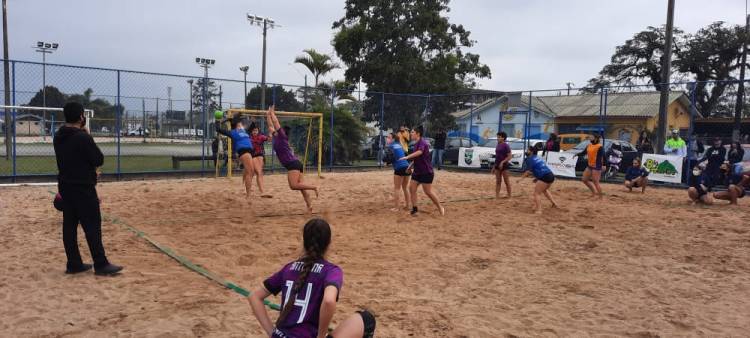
{"points": [[440, 140], [77, 156], [715, 157]]}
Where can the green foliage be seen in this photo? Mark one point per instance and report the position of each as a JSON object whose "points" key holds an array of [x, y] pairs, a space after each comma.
{"points": [[286, 100], [318, 64], [405, 46], [348, 133], [712, 53], [55, 98]]}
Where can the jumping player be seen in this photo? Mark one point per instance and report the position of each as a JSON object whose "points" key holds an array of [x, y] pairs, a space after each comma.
{"points": [[310, 288], [737, 182], [400, 174], [698, 191], [423, 174], [242, 145], [636, 176], [500, 169], [294, 167], [543, 178], [259, 154], [593, 172]]}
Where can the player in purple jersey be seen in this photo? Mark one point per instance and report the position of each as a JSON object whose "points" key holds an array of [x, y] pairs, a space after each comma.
{"points": [[309, 289], [502, 163], [423, 173], [286, 156]]}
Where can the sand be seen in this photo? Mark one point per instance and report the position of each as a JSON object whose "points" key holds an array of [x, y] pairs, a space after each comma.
{"points": [[631, 265]]}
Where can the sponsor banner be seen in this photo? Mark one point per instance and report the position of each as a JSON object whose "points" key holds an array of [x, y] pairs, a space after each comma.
{"points": [[663, 168], [468, 158], [562, 164]]}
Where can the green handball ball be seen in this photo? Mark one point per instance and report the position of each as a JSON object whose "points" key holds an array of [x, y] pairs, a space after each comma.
{"points": [[218, 114]]}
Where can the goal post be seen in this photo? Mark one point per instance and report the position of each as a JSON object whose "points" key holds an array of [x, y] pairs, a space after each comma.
{"points": [[309, 124], [39, 116]]}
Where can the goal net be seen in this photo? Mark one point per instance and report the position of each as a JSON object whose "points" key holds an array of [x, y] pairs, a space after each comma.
{"points": [[305, 138]]}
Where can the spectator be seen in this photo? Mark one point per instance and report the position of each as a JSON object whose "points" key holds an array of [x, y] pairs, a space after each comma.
{"points": [[636, 176], [715, 155], [696, 151], [437, 159], [553, 144], [77, 160], [675, 145], [644, 144], [736, 153]]}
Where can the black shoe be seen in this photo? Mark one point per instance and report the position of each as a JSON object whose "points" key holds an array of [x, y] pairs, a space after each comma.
{"points": [[414, 211], [82, 268], [108, 270]]}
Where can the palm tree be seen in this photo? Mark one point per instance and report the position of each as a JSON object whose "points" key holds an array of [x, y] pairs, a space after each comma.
{"points": [[318, 64]]}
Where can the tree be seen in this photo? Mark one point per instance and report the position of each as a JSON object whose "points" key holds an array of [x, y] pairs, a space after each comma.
{"points": [[55, 98], [713, 53], [405, 46], [285, 100], [640, 58], [210, 101], [318, 64]]}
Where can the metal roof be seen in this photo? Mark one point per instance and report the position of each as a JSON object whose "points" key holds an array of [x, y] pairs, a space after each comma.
{"points": [[629, 104]]}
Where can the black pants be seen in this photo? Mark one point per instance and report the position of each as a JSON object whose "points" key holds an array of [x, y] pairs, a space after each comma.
{"points": [[81, 204]]}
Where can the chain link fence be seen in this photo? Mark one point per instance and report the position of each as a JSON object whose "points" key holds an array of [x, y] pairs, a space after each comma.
{"points": [[163, 123]]}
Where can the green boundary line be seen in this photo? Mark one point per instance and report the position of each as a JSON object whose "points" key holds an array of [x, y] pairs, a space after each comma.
{"points": [[185, 261]]}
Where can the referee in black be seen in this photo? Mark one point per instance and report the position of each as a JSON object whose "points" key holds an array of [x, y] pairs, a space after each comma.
{"points": [[77, 159]]}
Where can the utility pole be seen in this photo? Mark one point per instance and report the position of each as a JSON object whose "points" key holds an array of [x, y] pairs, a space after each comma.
{"points": [[190, 126], [45, 48], [736, 130], [666, 73], [244, 70], [266, 23], [6, 81], [569, 84]]}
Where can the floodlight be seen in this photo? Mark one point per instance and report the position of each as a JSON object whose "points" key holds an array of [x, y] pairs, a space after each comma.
{"points": [[40, 44]]}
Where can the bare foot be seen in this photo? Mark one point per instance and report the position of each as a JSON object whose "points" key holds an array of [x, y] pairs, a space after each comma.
{"points": [[317, 194], [442, 211], [538, 211], [555, 206], [309, 210], [395, 209]]}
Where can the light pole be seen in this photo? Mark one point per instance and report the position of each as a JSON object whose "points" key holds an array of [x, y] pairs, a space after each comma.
{"points": [[45, 48], [304, 97], [205, 64], [6, 81], [244, 70], [266, 23], [190, 126]]}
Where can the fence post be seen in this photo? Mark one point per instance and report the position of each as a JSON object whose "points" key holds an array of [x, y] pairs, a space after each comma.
{"points": [[13, 115], [205, 124], [330, 156], [604, 118], [471, 120], [118, 126], [691, 110], [526, 127], [380, 134]]}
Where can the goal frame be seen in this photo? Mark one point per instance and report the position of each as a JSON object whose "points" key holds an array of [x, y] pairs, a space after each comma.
{"points": [[262, 114]]}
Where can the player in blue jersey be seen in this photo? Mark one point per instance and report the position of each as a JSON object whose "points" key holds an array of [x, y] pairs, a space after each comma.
{"points": [[400, 170], [543, 178], [736, 182], [309, 288], [243, 146]]}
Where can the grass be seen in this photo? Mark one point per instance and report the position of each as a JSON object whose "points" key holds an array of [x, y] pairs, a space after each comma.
{"points": [[41, 165]]}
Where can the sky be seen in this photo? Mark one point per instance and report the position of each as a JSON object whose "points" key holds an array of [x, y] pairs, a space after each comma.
{"points": [[530, 44]]}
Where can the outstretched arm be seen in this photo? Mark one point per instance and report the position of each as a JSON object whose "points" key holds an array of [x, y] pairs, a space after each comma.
{"points": [[269, 122], [272, 112], [221, 130]]}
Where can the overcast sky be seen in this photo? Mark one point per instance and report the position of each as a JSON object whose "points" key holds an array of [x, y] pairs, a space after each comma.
{"points": [[530, 44]]}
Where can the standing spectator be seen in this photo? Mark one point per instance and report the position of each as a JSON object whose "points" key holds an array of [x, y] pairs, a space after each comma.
{"points": [[696, 151], [675, 145], [77, 160], [644, 144], [552, 144], [715, 155], [736, 153], [437, 160]]}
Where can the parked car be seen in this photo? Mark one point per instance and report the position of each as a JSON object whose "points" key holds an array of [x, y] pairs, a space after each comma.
{"points": [[452, 144], [628, 153], [568, 141], [517, 150], [138, 132]]}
